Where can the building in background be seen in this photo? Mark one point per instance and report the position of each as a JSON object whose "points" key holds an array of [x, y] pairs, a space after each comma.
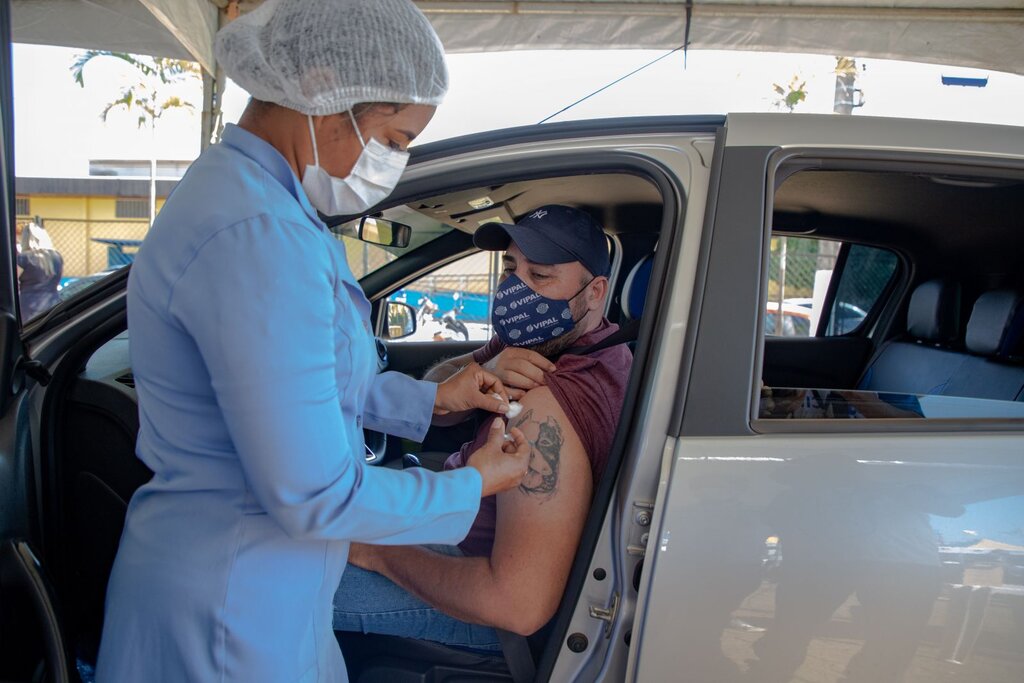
{"points": [[96, 223]]}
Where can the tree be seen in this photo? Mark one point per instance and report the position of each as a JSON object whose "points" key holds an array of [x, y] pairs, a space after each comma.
{"points": [[790, 95], [152, 92]]}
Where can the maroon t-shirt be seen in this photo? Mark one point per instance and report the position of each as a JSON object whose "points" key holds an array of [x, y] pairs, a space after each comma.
{"points": [[589, 389]]}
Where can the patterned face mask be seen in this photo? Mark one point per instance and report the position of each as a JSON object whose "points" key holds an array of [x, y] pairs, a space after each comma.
{"points": [[522, 317]]}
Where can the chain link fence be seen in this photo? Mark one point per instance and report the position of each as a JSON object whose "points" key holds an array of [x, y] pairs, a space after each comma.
{"points": [[89, 246], [793, 263]]}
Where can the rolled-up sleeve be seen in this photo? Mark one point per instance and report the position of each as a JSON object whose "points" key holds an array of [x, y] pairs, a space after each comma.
{"points": [[258, 299]]}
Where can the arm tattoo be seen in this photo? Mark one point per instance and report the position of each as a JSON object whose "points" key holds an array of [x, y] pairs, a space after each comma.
{"points": [[545, 453]]}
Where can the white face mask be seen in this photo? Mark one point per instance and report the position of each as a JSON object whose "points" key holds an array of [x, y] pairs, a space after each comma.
{"points": [[373, 177]]}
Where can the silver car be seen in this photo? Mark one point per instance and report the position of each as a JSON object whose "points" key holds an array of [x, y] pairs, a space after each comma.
{"points": [[846, 506]]}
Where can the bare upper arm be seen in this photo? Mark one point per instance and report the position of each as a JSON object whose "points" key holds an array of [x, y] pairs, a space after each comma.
{"points": [[539, 524]]}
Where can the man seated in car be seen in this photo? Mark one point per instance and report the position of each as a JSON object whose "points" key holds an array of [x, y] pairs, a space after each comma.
{"points": [[510, 571]]}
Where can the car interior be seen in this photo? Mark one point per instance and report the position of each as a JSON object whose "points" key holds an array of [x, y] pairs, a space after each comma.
{"points": [[951, 320]]}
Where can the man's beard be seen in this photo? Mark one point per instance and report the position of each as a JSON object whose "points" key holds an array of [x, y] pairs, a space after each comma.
{"points": [[553, 347]]}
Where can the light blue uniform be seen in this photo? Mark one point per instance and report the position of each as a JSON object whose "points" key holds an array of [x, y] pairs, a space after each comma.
{"points": [[256, 371]]}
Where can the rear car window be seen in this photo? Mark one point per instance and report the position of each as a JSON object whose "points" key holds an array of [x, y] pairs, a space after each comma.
{"points": [[800, 272]]}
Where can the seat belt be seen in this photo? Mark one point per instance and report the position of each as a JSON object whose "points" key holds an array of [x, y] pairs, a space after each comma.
{"points": [[516, 648], [626, 333], [517, 656]]}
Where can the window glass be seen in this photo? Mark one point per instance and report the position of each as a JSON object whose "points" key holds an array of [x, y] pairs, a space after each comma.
{"points": [[867, 272], [453, 303], [366, 257], [800, 270], [131, 208], [833, 404], [83, 168], [928, 361]]}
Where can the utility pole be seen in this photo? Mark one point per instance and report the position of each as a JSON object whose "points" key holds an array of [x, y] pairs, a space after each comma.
{"points": [[848, 96]]}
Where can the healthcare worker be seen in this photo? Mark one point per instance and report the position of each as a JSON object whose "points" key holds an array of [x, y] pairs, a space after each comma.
{"points": [[255, 364]]}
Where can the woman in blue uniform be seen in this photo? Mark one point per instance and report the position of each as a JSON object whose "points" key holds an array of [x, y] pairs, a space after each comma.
{"points": [[255, 364]]}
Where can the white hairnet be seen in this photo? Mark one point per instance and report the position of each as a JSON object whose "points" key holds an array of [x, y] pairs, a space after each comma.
{"points": [[322, 57]]}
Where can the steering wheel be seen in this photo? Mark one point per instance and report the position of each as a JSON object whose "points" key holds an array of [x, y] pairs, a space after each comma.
{"points": [[376, 443]]}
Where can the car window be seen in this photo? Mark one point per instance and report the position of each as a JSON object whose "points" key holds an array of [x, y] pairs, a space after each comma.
{"points": [[865, 276], [93, 172], [800, 271], [366, 257], [453, 303], [940, 356]]}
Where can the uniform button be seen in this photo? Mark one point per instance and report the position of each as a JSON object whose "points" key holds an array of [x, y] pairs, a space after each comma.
{"points": [[366, 326], [359, 420]]}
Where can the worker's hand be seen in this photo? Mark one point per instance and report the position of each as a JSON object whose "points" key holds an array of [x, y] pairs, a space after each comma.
{"points": [[502, 464], [470, 388], [519, 370]]}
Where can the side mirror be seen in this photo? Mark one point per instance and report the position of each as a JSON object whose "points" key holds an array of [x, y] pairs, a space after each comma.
{"points": [[401, 320], [385, 232]]}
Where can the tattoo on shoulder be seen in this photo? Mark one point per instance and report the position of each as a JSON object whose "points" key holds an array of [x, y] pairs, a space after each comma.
{"points": [[545, 453]]}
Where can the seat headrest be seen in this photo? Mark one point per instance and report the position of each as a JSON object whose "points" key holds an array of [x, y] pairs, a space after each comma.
{"points": [[996, 327], [634, 290], [934, 312]]}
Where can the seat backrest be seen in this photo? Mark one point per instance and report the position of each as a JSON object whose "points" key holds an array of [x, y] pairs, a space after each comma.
{"points": [[921, 361], [995, 342], [634, 289]]}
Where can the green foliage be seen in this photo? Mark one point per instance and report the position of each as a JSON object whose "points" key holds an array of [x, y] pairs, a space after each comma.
{"points": [[790, 95], [144, 95]]}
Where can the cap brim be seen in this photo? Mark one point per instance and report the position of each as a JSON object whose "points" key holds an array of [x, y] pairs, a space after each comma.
{"points": [[492, 236], [497, 237]]}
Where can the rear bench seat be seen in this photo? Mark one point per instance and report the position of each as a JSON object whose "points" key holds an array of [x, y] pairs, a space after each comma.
{"points": [[995, 339], [924, 362]]}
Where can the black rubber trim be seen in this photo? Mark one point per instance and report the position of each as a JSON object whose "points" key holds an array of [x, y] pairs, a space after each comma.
{"points": [[7, 177], [700, 282]]}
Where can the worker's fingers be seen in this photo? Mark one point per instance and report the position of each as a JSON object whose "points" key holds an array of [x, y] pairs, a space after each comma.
{"points": [[515, 443], [515, 394]]}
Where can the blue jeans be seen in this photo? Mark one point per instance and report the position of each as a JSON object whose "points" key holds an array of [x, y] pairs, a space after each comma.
{"points": [[370, 603]]}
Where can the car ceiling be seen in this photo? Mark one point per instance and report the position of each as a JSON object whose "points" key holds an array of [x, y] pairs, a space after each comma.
{"points": [[945, 215], [932, 218], [603, 195]]}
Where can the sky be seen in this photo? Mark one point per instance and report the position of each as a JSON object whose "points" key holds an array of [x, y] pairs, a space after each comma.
{"points": [[58, 127]]}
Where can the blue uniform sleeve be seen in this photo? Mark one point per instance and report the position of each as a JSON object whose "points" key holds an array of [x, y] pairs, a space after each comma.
{"points": [[258, 299], [400, 405]]}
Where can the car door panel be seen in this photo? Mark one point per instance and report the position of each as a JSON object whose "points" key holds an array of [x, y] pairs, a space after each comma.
{"points": [[415, 358], [824, 362], [784, 552]]}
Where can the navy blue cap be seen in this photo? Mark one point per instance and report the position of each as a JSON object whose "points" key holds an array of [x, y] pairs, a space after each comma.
{"points": [[549, 235]]}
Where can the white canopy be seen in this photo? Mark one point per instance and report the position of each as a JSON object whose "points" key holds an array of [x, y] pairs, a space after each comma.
{"points": [[985, 34]]}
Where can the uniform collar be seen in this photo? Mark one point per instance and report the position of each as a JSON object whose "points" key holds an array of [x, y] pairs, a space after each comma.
{"points": [[271, 160]]}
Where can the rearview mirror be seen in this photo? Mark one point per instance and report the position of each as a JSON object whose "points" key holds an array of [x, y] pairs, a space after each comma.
{"points": [[385, 232], [401, 320]]}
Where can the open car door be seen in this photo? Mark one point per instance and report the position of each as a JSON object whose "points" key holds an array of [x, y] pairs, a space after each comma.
{"points": [[31, 644]]}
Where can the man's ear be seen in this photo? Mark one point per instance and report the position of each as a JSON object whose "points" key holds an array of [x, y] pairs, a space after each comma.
{"points": [[599, 291]]}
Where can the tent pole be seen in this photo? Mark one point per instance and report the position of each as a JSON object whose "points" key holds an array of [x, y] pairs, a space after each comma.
{"points": [[212, 123]]}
